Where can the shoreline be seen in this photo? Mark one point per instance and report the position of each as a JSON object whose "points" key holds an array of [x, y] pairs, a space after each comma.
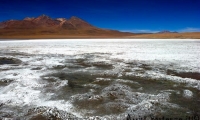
{"points": [[95, 40], [143, 36]]}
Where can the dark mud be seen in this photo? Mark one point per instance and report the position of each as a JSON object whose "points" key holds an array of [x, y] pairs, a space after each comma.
{"points": [[193, 75], [5, 60], [4, 82]]}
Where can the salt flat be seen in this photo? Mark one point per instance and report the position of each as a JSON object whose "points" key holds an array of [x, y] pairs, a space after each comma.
{"points": [[89, 78]]}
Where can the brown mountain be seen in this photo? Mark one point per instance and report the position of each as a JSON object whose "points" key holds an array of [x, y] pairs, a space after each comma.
{"points": [[44, 21], [74, 27], [46, 27]]}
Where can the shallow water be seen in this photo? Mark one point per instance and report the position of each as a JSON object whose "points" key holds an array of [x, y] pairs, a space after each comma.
{"points": [[106, 78]]}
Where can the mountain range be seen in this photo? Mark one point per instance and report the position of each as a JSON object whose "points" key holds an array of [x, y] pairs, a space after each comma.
{"points": [[44, 26]]}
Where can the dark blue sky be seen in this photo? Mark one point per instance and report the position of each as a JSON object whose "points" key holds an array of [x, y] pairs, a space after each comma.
{"points": [[124, 15]]}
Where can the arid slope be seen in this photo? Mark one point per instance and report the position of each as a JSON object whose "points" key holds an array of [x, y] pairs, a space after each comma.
{"points": [[46, 27]]}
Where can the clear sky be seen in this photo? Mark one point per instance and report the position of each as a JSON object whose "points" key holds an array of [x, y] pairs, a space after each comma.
{"points": [[123, 15]]}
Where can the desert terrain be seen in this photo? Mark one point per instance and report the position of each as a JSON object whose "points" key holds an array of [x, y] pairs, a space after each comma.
{"points": [[44, 27]]}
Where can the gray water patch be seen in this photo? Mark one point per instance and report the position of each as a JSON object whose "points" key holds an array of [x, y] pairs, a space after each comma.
{"points": [[36, 68], [85, 63], [192, 75], [9, 60], [4, 82]]}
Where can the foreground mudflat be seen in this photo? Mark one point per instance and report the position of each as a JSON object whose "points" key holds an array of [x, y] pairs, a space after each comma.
{"points": [[99, 79]]}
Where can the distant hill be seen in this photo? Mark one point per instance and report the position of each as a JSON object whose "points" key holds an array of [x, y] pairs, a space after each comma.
{"points": [[166, 31], [46, 26]]}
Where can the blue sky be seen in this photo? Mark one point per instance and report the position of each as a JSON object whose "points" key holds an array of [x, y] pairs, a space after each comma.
{"points": [[123, 15]]}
